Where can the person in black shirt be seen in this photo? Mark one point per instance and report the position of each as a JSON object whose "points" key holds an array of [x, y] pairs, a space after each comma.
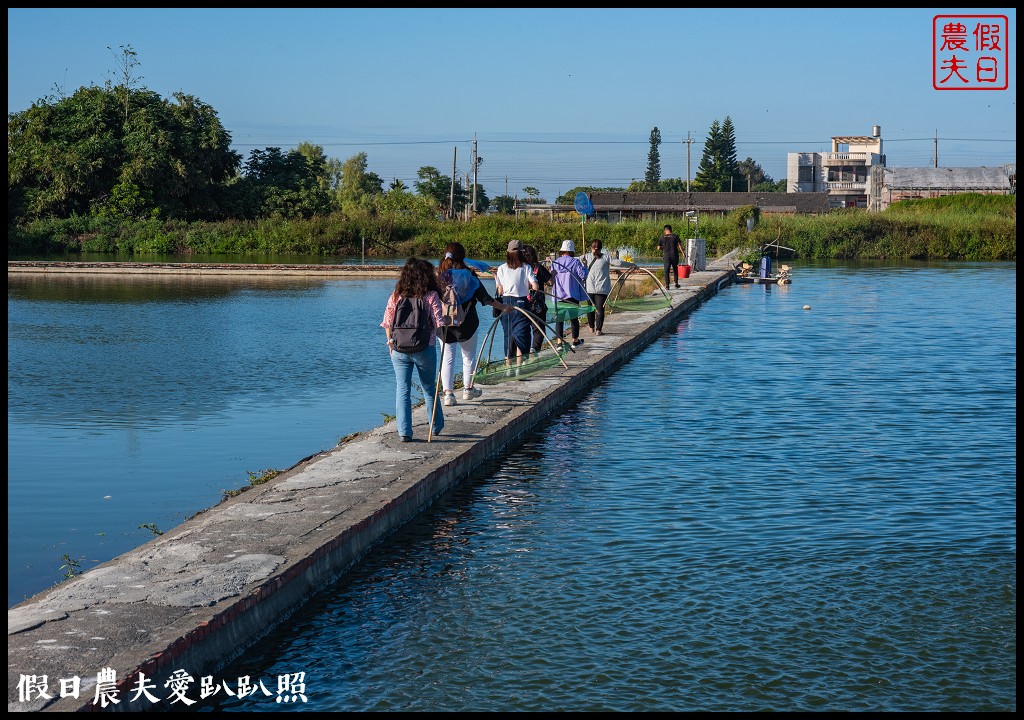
{"points": [[671, 248], [538, 306]]}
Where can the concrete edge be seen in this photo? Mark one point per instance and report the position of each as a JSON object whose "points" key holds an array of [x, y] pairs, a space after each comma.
{"points": [[228, 631]]}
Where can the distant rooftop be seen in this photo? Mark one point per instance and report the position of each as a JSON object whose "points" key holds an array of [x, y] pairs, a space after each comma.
{"points": [[855, 139], [966, 178]]}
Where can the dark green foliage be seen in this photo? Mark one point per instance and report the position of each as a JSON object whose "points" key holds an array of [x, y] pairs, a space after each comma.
{"points": [[718, 170], [277, 185], [733, 180], [504, 204], [567, 198], [117, 151], [439, 189], [653, 175], [963, 227], [970, 203], [754, 177], [973, 228]]}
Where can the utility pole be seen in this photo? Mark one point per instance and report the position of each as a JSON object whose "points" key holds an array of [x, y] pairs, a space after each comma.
{"points": [[451, 195], [474, 174], [687, 141], [936, 147]]}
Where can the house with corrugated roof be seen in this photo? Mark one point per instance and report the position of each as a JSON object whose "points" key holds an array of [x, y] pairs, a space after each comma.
{"points": [[614, 206], [617, 206], [891, 185]]}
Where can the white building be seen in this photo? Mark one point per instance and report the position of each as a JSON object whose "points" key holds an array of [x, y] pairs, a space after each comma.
{"points": [[845, 173]]}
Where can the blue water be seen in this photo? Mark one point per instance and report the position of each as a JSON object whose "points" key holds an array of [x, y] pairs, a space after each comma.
{"points": [[770, 508], [141, 401]]}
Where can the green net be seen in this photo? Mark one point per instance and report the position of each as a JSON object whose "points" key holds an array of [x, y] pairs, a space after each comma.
{"points": [[493, 372], [640, 304], [565, 312], [642, 292]]}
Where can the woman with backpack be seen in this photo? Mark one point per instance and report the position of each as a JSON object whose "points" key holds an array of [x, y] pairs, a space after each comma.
{"points": [[453, 273], [410, 320]]}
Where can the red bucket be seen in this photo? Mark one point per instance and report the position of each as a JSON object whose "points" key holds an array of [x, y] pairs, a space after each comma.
{"points": [[684, 271]]}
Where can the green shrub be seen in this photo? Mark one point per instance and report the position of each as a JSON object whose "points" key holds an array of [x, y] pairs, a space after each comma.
{"points": [[961, 227]]}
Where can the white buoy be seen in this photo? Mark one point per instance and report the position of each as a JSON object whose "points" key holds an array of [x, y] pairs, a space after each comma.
{"points": [[807, 307]]}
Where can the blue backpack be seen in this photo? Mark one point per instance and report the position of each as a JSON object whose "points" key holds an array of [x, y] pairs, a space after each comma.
{"points": [[459, 287]]}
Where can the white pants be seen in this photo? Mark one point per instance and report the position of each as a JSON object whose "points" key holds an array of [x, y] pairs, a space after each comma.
{"points": [[467, 348]]}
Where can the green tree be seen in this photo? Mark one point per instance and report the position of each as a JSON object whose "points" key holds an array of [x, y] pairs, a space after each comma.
{"points": [[319, 164], [398, 201], [482, 201], [127, 202], [568, 198], [533, 196], [718, 170], [279, 185], [653, 175], [727, 152], [672, 185], [359, 189], [753, 175], [78, 155], [126, 61], [504, 204], [438, 189], [709, 170]]}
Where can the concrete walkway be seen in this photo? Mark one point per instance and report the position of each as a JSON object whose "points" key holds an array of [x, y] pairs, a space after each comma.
{"points": [[194, 598]]}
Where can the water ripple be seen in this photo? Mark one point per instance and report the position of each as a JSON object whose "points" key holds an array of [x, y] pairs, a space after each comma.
{"points": [[814, 511]]}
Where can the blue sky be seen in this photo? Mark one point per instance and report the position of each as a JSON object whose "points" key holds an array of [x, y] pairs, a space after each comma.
{"points": [[556, 98]]}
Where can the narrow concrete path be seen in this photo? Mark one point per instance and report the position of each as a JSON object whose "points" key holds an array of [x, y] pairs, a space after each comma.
{"points": [[197, 596]]}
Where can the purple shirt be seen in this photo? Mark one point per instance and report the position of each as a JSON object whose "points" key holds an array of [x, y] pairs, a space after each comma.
{"points": [[570, 278]]}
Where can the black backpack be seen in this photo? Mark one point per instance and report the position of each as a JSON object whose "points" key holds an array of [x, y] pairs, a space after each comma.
{"points": [[411, 328]]}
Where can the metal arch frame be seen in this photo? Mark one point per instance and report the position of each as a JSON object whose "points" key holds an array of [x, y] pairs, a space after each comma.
{"points": [[621, 282], [582, 286], [492, 333]]}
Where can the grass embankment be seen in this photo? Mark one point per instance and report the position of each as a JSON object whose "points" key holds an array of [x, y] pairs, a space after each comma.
{"points": [[959, 227]]}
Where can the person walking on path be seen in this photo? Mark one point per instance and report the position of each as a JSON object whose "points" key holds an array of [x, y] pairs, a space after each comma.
{"points": [[415, 295], [671, 250], [461, 338], [537, 305], [514, 281], [570, 277], [599, 283]]}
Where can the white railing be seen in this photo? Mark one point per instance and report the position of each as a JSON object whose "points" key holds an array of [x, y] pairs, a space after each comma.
{"points": [[846, 156], [843, 185]]}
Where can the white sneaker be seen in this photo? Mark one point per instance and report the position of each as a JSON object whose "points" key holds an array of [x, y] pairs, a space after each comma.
{"points": [[449, 399], [470, 393]]}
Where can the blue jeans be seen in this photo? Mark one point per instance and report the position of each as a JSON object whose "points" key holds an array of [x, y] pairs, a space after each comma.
{"points": [[425, 364], [516, 328]]}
